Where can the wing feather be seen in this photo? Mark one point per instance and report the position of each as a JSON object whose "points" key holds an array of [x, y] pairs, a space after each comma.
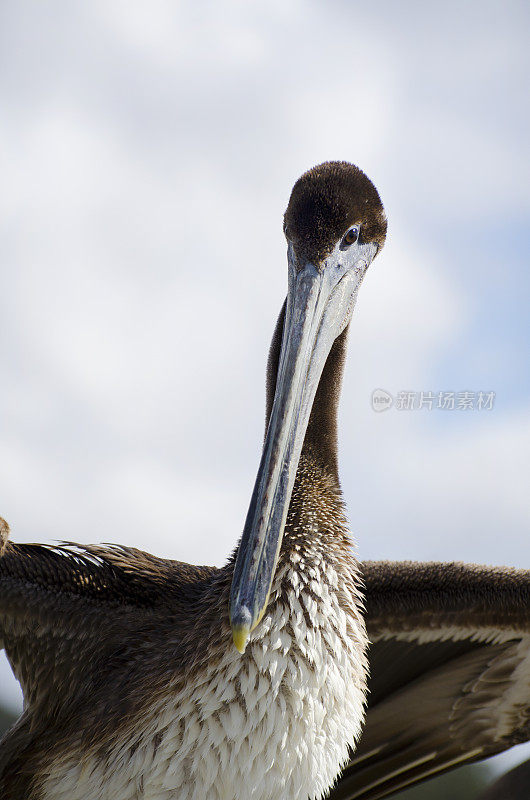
{"points": [[55, 600], [450, 672]]}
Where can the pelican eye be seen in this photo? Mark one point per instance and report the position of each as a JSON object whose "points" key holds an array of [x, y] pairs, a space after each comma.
{"points": [[351, 236]]}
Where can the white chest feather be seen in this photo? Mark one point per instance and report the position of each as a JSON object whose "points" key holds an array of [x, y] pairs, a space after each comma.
{"points": [[271, 725]]}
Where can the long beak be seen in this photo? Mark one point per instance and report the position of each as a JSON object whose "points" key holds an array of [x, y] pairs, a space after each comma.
{"points": [[319, 305]]}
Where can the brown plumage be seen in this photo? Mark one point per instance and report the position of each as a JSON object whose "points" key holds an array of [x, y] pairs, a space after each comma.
{"points": [[103, 638], [50, 592], [325, 201], [4, 535], [449, 643]]}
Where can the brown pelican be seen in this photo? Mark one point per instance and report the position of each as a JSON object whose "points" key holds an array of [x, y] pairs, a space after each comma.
{"points": [[132, 687]]}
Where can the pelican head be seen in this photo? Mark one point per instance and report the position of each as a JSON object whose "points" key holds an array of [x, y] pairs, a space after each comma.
{"points": [[335, 225]]}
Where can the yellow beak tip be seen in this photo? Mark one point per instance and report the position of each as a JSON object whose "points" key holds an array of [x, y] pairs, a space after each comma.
{"points": [[240, 634]]}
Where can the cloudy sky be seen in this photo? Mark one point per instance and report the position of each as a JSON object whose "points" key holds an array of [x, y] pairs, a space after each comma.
{"points": [[147, 154]]}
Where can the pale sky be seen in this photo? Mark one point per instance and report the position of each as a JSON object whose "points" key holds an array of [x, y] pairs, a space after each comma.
{"points": [[147, 153]]}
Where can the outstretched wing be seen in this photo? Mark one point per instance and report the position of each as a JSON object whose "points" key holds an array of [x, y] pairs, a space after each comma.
{"points": [[56, 601], [450, 672]]}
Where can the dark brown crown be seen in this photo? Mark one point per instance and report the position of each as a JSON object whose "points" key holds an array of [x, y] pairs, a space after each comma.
{"points": [[325, 201]]}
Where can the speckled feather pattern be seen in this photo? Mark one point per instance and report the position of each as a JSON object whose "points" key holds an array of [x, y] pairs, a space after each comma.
{"points": [[274, 723]]}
